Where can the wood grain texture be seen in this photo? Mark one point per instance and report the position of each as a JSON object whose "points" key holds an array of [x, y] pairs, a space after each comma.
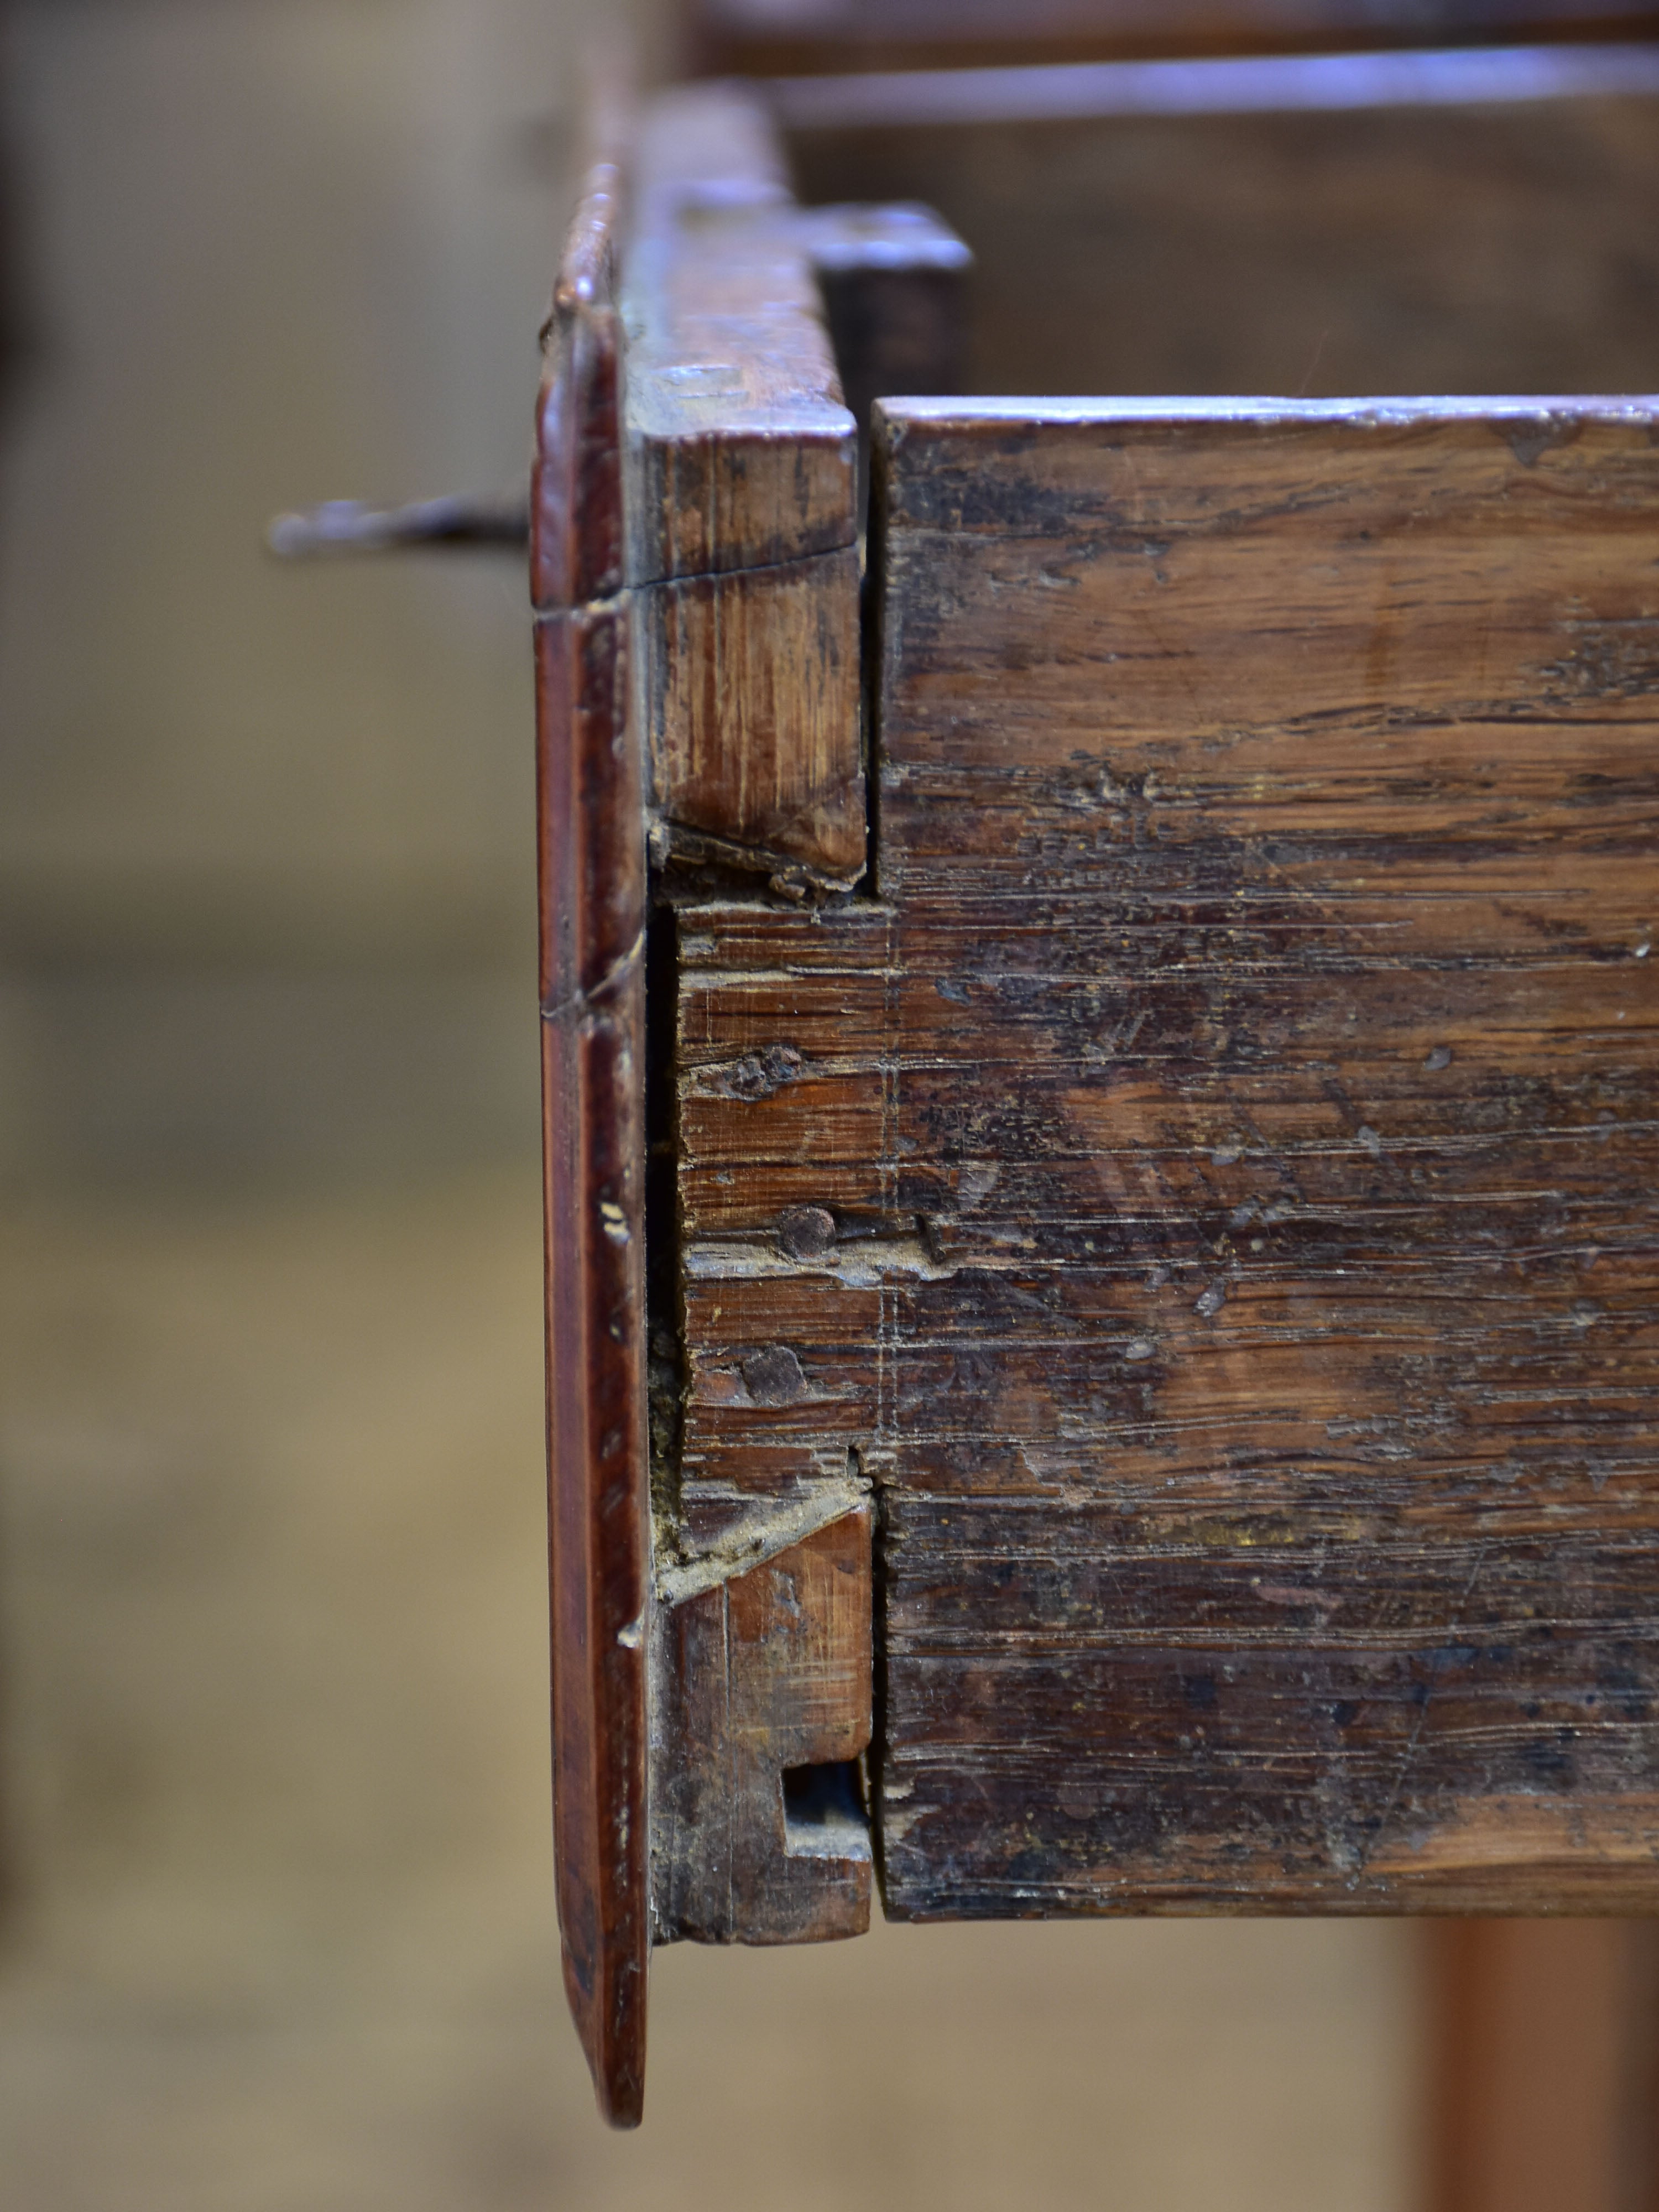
{"points": [[739, 450], [591, 854], [751, 694], [746, 701], [765, 1673], [1209, 1188], [742, 491], [1325, 1569]]}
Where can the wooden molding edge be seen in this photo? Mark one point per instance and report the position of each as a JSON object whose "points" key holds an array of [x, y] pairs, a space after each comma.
{"points": [[591, 855]]}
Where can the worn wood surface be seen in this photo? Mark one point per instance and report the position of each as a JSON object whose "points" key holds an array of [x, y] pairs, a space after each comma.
{"points": [[1497, 247], [837, 34], [892, 280], [764, 1704], [742, 487], [1275, 1522], [695, 572], [742, 493], [750, 690], [591, 852], [1152, 1253], [739, 450], [1224, 1144]]}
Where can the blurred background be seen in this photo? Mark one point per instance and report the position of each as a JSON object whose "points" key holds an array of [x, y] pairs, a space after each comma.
{"points": [[278, 1931]]}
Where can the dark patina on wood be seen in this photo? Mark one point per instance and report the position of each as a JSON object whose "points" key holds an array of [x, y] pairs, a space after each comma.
{"points": [[1152, 1255], [590, 791], [1276, 1524], [1231, 1128]]}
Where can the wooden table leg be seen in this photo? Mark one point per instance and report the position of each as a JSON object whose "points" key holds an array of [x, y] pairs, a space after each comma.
{"points": [[1543, 2046]]}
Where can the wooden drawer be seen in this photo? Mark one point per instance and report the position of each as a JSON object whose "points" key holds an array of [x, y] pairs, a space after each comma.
{"points": [[1103, 1063]]}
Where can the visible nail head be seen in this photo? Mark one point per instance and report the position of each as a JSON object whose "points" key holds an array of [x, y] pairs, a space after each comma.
{"points": [[774, 1377], [806, 1232]]}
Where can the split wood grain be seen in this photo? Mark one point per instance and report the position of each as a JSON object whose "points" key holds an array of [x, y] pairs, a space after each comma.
{"points": [[696, 580], [695, 573]]}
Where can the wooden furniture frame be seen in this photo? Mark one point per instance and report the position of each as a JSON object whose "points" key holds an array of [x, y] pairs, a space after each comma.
{"points": [[1102, 1097], [817, 37]]}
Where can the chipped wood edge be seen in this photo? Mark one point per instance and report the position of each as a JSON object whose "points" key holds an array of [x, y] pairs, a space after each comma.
{"points": [[763, 1669], [758, 1535]]}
